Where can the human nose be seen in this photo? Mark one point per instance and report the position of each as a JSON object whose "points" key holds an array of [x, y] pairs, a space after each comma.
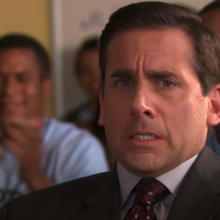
{"points": [[142, 103]]}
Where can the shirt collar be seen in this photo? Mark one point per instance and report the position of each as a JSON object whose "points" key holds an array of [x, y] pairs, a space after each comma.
{"points": [[127, 180]]}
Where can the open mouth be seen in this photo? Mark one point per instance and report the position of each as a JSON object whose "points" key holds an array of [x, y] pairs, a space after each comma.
{"points": [[144, 137]]}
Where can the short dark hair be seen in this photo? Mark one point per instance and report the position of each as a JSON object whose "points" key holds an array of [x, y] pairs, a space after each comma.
{"points": [[22, 41], [211, 6], [88, 44], [159, 16]]}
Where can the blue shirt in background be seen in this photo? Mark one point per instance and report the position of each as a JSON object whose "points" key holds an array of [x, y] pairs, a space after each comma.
{"points": [[68, 153]]}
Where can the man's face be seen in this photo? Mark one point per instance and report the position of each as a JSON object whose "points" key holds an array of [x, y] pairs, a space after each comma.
{"points": [[89, 72], [153, 110], [21, 89], [211, 19]]}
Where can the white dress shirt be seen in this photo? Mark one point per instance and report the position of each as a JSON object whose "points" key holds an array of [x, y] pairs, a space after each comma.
{"points": [[172, 180]]}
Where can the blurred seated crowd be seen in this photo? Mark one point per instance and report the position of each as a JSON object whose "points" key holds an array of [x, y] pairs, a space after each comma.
{"points": [[36, 152]]}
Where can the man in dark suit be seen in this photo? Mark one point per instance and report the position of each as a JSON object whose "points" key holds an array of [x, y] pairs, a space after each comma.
{"points": [[161, 92]]}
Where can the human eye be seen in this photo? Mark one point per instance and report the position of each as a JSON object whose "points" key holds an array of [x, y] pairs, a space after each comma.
{"points": [[123, 83], [166, 83]]}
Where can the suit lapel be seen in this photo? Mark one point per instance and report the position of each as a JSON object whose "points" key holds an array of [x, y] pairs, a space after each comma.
{"points": [[104, 203], [56, 210], [197, 197]]}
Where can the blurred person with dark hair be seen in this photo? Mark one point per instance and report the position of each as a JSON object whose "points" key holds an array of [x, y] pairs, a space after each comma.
{"points": [[87, 70], [36, 152], [161, 91], [210, 16]]}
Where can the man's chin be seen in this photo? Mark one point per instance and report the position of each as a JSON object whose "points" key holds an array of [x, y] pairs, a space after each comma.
{"points": [[148, 166]]}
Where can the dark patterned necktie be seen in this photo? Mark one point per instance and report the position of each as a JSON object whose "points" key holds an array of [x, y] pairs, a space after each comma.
{"points": [[148, 193]]}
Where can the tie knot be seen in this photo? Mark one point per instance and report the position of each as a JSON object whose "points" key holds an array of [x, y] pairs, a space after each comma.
{"points": [[150, 191]]}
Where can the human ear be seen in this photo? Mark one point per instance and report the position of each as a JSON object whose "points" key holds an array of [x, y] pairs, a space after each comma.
{"points": [[102, 108], [214, 106]]}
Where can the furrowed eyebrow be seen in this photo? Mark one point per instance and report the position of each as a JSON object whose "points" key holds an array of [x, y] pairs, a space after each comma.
{"points": [[127, 73], [153, 74]]}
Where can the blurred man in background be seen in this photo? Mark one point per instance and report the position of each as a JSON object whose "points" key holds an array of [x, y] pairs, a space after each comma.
{"points": [[36, 152], [210, 15], [87, 70]]}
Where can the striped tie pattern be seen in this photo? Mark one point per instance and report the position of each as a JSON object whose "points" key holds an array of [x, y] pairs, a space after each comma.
{"points": [[148, 193]]}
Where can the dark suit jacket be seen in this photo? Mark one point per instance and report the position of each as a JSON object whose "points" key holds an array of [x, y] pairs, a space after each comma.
{"points": [[97, 197]]}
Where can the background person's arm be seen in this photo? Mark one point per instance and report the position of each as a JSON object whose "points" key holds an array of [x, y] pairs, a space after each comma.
{"points": [[23, 138]]}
